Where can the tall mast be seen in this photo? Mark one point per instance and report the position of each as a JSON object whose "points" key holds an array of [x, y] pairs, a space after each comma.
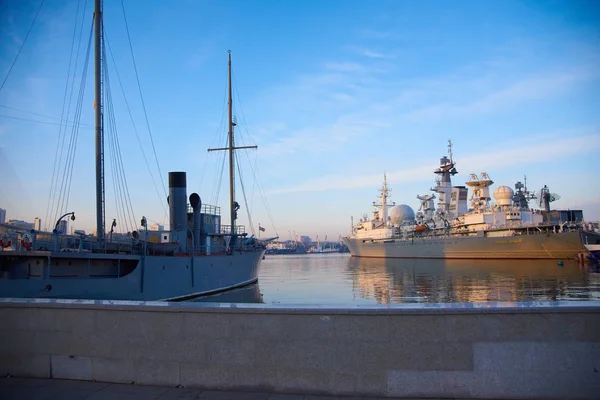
{"points": [[232, 205], [98, 41]]}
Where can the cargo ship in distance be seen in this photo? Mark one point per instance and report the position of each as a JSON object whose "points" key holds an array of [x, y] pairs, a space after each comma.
{"points": [[506, 229]]}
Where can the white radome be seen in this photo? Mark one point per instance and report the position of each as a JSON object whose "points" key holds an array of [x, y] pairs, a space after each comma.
{"points": [[402, 213], [503, 195]]}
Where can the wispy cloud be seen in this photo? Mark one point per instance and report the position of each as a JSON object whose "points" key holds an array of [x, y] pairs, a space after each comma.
{"points": [[514, 93], [323, 138], [344, 66], [375, 54], [510, 155], [531, 151], [348, 102]]}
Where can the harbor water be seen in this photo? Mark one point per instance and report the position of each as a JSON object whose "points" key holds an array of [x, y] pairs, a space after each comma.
{"points": [[341, 280]]}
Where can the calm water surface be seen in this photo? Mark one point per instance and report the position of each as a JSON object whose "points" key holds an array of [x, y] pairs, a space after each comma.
{"points": [[339, 279]]}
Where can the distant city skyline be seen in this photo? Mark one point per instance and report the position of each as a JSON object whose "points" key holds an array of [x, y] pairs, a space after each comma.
{"points": [[335, 94]]}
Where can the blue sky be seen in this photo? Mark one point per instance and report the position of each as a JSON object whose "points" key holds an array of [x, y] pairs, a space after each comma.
{"points": [[334, 93]]}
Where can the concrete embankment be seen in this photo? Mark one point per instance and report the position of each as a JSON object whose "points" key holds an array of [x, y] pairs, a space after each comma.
{"points": [[510, 350]]}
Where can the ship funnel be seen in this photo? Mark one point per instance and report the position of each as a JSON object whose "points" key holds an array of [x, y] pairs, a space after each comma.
{"points": [[177, 202], [196, 204]]}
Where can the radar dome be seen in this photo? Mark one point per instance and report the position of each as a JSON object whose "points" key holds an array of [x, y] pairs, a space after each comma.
{"points": [[503, 195], [402, 213]]}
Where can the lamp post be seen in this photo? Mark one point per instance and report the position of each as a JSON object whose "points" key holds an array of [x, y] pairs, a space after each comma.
{"points": [[56, 232]]}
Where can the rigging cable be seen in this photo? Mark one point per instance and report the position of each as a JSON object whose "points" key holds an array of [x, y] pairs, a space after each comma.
{"points": [[111, 147], [68, 171], [22, 45], [217, 183], [38, 114], [62, 130], [118, 207], [68, 124], [256, 178], [142, 98], [58, 195], [122, 199], [244, 124], [244, 194], [218, 131], [162, 202], [126, 204]]}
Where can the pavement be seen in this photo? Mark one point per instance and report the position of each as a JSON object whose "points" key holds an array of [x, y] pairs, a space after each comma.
{"points": [[60, 389]]}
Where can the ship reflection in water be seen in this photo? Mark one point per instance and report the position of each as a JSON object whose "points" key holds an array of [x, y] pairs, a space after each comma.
{"points": [[448, 281], [343, 280]]}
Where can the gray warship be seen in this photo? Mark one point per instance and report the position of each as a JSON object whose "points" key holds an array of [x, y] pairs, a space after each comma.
{"points": [[507, 229], [197, 256]]}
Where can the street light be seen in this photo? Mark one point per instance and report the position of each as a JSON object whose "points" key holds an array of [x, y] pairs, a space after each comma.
{"points": [[55, 230]]}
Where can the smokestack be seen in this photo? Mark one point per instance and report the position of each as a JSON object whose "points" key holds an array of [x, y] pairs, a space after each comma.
{"points": [[196, 204], [177, 202]]}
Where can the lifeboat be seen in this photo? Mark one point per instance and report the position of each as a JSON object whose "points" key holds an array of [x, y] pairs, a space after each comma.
{"points": [[420, 228]]}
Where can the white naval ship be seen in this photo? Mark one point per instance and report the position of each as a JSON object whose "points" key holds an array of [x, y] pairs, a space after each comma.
{"points": [[505, 229]]}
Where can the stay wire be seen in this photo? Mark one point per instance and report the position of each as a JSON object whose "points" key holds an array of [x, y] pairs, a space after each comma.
{"points": [[127, 211], [68, 124], [262, 194], [110, 52], [126, 203], [123, 201], [244, 122], [75, 136], [114, 177], [216, 135], [38, 114], [110, 134], [224, 139], [68, 171], [22, 45], [63, 128], [59, 197], [244, 194], [142, 97], [256, 179]]}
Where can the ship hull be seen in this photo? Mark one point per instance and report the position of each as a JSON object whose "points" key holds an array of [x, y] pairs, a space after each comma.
{"points": [[121, 277], [539, 246]]}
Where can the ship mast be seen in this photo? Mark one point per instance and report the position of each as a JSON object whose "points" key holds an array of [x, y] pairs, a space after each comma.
{"points": [[233, 205], [98, 42], [384, 203]]}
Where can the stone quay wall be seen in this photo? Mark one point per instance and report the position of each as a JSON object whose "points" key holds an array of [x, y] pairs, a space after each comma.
{"points": [[502, 350]]}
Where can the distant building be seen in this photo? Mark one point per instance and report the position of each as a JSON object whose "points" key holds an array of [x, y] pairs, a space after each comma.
{"points": [[305, 240], [37, 224], [2, 215], [79, 232], [17, 223], [157, 227], [62, 227]]}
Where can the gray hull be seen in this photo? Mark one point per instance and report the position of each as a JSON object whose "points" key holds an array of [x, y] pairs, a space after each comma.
{"points": [[123, 277], [540, 246]]}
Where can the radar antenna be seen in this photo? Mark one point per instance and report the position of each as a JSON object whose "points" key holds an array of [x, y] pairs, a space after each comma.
{"points": [[522, 195], [545, 198]]}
